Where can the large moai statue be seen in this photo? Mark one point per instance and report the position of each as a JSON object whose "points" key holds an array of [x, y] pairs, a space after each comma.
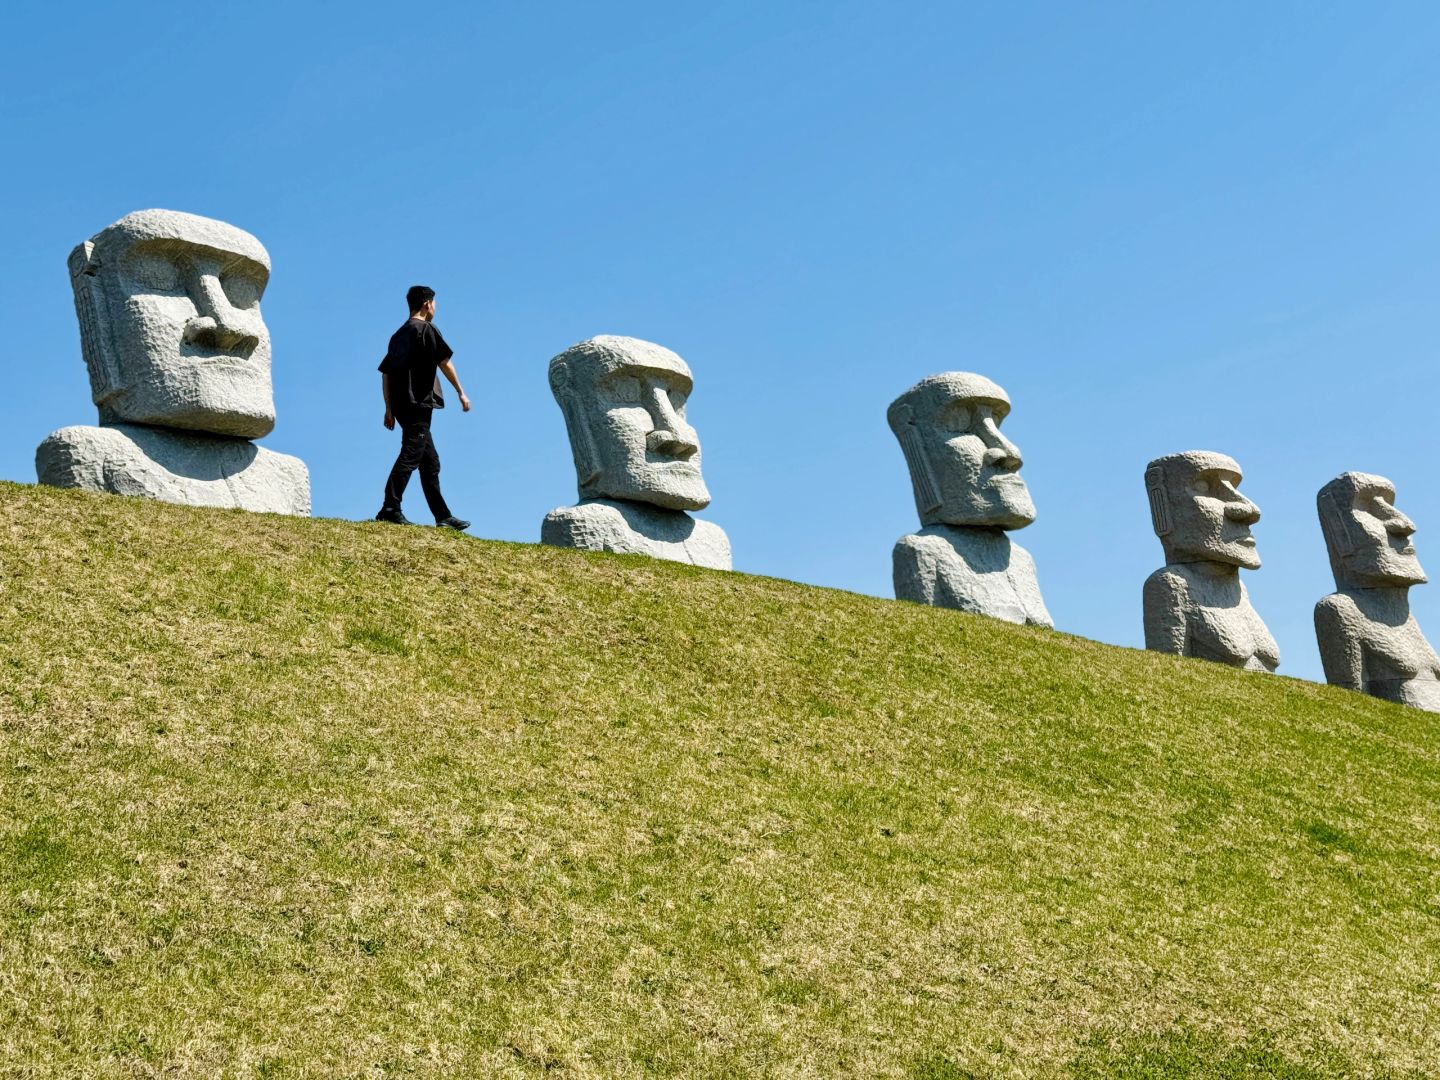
{"points": [[1369, 641], [179, 359], [1196, 604], [637, 460], [970, 496]]}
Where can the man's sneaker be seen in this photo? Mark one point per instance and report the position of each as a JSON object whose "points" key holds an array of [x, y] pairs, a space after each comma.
{"points": [[394, 517], [452, 522]]}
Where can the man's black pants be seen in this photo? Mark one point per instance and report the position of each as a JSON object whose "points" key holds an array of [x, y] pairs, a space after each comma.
{"points": [[417, 451]]}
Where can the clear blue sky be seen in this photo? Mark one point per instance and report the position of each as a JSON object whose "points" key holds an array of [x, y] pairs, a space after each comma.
{"points": [[1160, 227]]}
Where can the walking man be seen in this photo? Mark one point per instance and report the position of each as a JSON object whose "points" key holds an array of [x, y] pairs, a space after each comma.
{"points": [[412, 393]]}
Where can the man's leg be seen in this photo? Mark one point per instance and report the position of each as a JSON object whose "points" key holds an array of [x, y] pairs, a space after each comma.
{"points": [[430, 478], [414, 438]]}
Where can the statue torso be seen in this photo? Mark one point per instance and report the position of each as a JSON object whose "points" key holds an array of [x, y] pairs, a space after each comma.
{"points": [[1398, 662], [969, 569], [178, 467], [629, 528], [1220, 623]]}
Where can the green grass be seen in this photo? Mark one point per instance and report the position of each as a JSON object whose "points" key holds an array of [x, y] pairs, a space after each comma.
{"points": [[310, 798]]}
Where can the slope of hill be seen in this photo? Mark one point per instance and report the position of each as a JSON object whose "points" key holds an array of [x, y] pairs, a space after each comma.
{"points": [[315, 798]]}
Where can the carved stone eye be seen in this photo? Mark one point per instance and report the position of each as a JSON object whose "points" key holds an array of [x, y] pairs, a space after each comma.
{"points": [[623, 389], [154, 272], [677, 401], [958, 420], [1202, 486], [242, 290]]}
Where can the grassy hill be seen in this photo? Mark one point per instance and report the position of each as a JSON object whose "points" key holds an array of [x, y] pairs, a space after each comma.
{"points": [[312, 798]]}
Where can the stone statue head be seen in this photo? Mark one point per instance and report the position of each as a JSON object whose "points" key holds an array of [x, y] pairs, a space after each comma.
{"points": [[1367, 537], [1198, 511], [170, 323], [963, 470], [624, 405]]}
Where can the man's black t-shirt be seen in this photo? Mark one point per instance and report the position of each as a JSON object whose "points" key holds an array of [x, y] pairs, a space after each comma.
{"points": [[416, 350]]}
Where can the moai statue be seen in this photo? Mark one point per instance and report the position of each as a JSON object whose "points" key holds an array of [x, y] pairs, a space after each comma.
{"points": [[179, 359], [970, 495], [1196, 605], [637, 460], [1369, 641]]}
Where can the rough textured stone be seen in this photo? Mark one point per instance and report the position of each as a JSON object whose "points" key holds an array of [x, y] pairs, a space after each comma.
{"points": [[1196, 605], [1368, 639], [969, 494], [171, 330], [169, 308], [174, 466], [637, 459], [631, 528]]}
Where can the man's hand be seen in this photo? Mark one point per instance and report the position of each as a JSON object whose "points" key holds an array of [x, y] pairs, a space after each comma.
{"points": [[447, 368], [389, 420]]}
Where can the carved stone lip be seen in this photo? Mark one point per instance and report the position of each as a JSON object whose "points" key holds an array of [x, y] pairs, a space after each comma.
{"points": [[240, 355], [1006, 484]]}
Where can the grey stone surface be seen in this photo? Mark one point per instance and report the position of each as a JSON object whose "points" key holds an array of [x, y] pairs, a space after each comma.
{"points": [[174, 466], [637, 459], [172, 335], [978, 570], [1196, 604], [1369, 640], [631, 528], [969, 494], [170, 324]]}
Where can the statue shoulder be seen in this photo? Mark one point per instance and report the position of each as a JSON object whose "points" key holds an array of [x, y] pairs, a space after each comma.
{"points": [[79, 456], [710, 534], [586, 513], [709, 545], [286, 465], [924, 546], [1336, 608], [596, 526], [918, 563], [84, 436], [282, 480], [1022, 558], [1167, 581]]}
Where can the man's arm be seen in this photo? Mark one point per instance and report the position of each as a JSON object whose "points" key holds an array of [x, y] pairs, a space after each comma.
{"points": [[447, 368], [397, 357]]}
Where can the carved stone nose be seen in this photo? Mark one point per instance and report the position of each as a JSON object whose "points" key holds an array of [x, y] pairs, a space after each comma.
{"points": [[670, 444], [1003, 457], [1245, 512], [1400, 525], [207, 333], [1000, 452]]}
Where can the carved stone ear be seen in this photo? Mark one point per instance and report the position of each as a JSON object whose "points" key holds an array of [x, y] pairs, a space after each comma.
{"points": [[912, 445], [582, 445], [1159, 503], [1336, 525], [90, 309]]}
